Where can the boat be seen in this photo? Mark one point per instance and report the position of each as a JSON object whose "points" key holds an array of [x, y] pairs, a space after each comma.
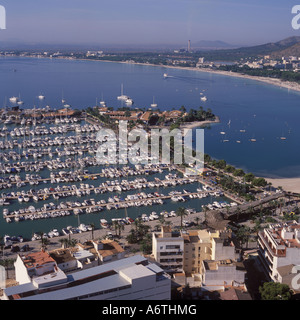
{"points": [[253, 140], [102, 102], [222, 132], [129, 101], [122, 96], [82, 227], [283, 138], [13, 99], [153, 105], [166, 75], [103, 223], [41, 97], [203, 98]]}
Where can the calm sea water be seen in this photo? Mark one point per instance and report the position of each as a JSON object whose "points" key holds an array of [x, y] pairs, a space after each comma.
{"points": [[265, 112]]}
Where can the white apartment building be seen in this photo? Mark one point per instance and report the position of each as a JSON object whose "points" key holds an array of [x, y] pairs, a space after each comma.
{"points": [[168, 249], [131, 278], [279, 246]]}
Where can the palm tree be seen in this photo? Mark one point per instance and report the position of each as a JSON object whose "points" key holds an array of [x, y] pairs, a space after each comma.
{"points": [[181, 212], [63, 242], [205, 209], [115, 225], [121, 227], [7, 264], [72, 243], [93, 228], [161, 220], [44, 241]]}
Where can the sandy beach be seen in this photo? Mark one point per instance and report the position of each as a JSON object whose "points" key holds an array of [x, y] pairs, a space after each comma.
{"points": [[288, 184], [276, 82]]}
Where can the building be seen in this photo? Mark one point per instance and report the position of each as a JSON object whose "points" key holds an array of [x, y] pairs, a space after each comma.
{"points": [[168, 249], [183, 252], [217, 275], [126, 279], [189, 46], [279, 249], [103, 250], [33, 265], [197, 247]]}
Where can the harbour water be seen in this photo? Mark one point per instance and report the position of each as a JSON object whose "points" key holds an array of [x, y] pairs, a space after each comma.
{"points": [[248, 109], [52, 181]]}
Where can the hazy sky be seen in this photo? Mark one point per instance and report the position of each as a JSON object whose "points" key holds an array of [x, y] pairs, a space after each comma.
{"points": [[147, 21]]}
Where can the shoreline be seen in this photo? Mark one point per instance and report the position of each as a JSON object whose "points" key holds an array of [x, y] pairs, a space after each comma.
{"points": [[195, 124], [272, 81], [288, 184]]}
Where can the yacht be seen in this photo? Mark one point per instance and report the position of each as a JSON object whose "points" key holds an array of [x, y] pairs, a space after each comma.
{"points": [[103, 223], [41, 97], [165, 75], [129, 101], [153, 105], [13, 99], [203, 98], [122, 96]]}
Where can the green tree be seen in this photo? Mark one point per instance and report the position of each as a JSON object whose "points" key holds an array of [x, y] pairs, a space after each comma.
{"points": [[181, 212], [275, 291]]}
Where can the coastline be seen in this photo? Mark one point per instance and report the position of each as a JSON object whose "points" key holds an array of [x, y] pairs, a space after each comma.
{"points": [[288, 184], [195, 124], [272, 81]]}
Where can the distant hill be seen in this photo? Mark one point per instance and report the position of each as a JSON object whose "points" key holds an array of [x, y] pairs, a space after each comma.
{"points": [[288, 46], [209, 45]]}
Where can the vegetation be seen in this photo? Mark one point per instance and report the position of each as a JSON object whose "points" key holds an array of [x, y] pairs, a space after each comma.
{"points": [[137, 234], [275, 291], [265, 72]]}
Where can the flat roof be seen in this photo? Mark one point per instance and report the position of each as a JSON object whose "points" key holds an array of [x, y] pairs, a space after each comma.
{"points": [[111, 279], [137, 271], [82, 254]]}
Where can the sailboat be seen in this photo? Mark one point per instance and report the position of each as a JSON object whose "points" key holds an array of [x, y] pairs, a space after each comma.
{"points": [[153, 105], [102, 102], [122, 96]]}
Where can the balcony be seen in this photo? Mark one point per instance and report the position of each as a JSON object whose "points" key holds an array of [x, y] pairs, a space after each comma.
{"points": [[264, 242]]}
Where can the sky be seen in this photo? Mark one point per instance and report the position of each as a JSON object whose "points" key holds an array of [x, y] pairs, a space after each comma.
{"points": [[144, 22]]}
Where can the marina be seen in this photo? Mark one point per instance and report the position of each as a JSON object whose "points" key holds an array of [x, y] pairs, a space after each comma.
{"points": [[49, 177]]}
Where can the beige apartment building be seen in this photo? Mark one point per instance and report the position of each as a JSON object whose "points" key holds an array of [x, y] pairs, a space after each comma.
{"points": [[183, 252]]}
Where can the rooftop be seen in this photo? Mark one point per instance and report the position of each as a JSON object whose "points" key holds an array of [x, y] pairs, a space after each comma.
{"points": [[36, 259], [110, 276], [110, 248], [61, 255]]}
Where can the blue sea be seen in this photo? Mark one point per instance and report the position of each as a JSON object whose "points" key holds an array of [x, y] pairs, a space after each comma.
{"points": [[263, 112]]}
